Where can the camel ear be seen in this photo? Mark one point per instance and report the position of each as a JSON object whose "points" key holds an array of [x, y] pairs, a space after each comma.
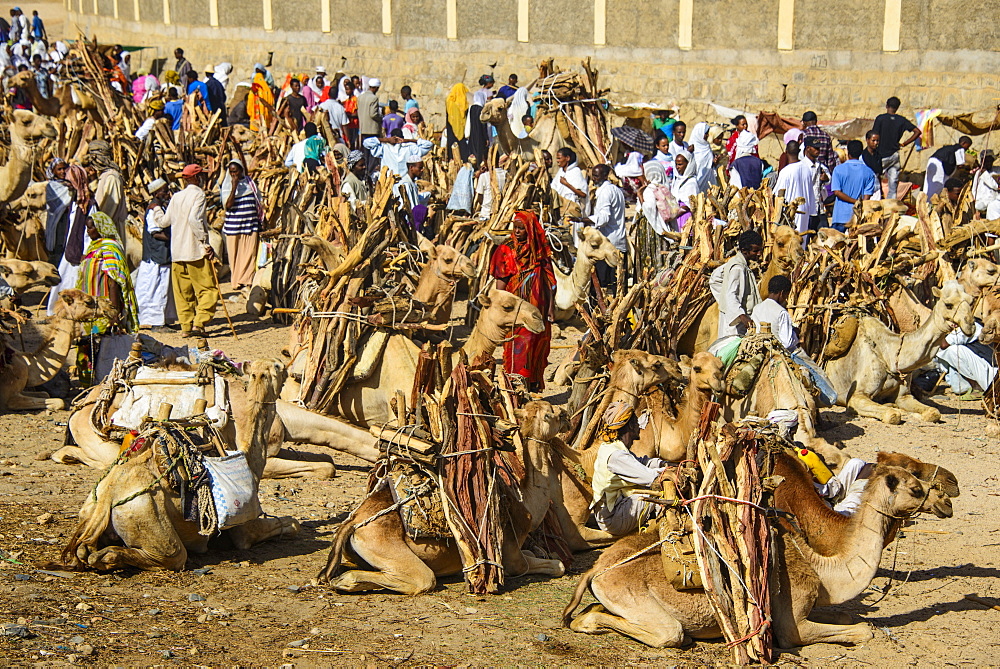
{"points": [[5, 271], [67, 297], [892, 482], [520, 415], [426, 246], [935, 291], [485, 300]]}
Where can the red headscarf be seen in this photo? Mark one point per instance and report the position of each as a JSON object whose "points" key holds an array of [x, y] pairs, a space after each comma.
{"points": [[535, 249]]}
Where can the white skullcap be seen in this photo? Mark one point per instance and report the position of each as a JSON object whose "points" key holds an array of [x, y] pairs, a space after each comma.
{"points": [[320, 69], [374, 82], [414, 158], [155, 185]]}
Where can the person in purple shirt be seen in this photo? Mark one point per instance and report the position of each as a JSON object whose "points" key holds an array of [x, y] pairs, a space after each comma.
{"points": [[393, 120]]}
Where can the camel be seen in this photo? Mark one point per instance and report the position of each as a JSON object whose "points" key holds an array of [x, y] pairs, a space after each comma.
{"points": [[27, 130], [133, 503], [22, 275], [64, 101], [786, 252], [871, 372], [23, 231], [636, 600], [29, 370], [445, 267], [378, 538], [366, 403], [573, 289], [667, 438], [544, 135]]}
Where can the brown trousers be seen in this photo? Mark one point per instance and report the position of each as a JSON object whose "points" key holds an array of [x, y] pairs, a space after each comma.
{"points": [[196, 294]]}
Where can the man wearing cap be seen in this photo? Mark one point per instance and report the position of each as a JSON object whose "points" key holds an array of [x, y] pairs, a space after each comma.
{"points": [[152, 283], [408, 184], [196, 293], [354, 187], [617, 472], [799, 180], [370, 117]]}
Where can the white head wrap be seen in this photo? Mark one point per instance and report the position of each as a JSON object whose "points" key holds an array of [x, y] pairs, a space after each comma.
{"points": [[746, 142], [655, 173], [787, 421], [632, 167]]}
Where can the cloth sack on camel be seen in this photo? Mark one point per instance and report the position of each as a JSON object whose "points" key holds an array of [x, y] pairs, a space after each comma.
{"points": [[233, 489]]}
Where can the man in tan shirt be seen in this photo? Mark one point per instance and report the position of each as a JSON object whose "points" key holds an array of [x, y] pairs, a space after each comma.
{"points": [[196, 293]]}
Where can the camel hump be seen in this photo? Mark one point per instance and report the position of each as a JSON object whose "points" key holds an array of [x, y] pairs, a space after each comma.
{"points": [[845, 330]]}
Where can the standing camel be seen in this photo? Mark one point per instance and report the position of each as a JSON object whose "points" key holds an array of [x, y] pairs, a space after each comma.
{"points": [[27, 130]]}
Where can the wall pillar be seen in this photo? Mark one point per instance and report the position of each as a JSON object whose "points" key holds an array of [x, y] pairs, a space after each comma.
{"points": [[166, 12], [685, 24], [600, 22], [786, 25], [115, 9], [522, 20], [386, 17], [324, 16], [213, 13], [268, 16], [890, 29], [451, 12], [135, 9]]}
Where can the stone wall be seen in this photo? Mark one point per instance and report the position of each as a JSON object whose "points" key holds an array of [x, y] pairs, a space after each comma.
{"points": [[832, 59]]}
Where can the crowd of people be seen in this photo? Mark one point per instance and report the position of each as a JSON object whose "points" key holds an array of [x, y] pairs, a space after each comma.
{"points": [[364, 134]]}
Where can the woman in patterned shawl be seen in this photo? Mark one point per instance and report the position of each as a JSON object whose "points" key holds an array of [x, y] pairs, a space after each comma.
{"points": [[104, 273]]}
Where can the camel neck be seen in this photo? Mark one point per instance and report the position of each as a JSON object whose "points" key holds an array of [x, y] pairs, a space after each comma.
{"points": [[434, 290], [917, 348], [483, 340], [253, 427], [51, 355], [582, 269]]}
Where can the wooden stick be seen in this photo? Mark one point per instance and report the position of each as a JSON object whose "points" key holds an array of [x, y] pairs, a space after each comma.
{"points": [[225, 309], [980, 600]]}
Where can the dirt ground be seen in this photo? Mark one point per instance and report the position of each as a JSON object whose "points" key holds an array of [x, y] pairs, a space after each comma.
{"points": [[257, 607]]}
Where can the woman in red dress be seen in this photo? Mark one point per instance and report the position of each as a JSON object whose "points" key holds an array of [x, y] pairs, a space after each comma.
{"points": [[523, 266]]}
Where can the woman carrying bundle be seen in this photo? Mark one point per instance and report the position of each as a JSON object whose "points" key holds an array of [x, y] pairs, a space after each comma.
{"points": [[523, 266]]}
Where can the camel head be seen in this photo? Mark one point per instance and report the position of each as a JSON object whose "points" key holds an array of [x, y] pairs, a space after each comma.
{"points": [[77, 306], [978, 274], [33, 199], [925, 471], [786, 247], [30, 128], [831, 238], [22, 275], [447, 262], [595, 246], [264, 379], [635, 371], [706, 373], [540, 420], [954, 305], [494, 111], [896, 492], [506, 311]]}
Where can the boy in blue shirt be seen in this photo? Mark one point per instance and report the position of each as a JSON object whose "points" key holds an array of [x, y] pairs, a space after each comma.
{"points": [[852, 181]]}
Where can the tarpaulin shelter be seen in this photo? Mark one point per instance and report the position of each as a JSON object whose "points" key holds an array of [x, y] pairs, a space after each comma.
{"points": [[973, 123]]}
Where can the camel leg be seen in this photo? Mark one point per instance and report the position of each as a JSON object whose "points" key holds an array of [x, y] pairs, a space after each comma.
{"points": [[151, 542], [22, 402], [660, 631], [261, 529], [382, 545], [297, 464], [869, 408], [831, 617], [306, 427], [909, 403], [812, 632]]}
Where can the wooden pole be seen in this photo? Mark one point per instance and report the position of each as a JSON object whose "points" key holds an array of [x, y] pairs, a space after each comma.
{"points": [[225, 309]]}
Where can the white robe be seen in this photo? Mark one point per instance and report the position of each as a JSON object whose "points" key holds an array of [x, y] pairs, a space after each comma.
{"points": [[152, 281], [69, 274], [797, 181]]}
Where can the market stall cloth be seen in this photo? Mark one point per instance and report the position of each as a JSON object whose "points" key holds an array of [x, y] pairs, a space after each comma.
{"points": [[772, 122], [973, 123]]}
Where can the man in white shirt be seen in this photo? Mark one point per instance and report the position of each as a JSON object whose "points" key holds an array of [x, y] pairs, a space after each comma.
{"points": [[394, 151], [773, 310], [962, 365], [607, 214], [803, 179], [734, 287], [569, 182], [196, 293], [336, 114]]}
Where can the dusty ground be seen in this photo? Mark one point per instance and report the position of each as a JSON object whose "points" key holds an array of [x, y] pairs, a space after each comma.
{"points": [[258, 602]]}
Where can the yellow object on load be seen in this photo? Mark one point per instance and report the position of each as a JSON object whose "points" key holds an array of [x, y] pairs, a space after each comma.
{"points": [[456, 105], [820, 471]]}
